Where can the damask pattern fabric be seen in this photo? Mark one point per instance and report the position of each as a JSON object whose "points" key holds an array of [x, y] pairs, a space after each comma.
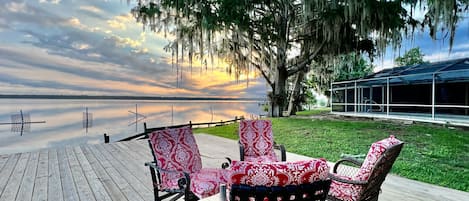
{"points": [[257, 139], [270, 157], [376, 151], [176, 150], [350, 192], [278, 173], [344, 191], [207, 181]]}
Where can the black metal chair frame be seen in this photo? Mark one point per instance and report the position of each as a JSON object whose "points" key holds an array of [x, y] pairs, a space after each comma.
{"points": [[316, 191], [372, 187]]}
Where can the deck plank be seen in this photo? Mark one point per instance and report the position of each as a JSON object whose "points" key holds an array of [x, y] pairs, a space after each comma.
{"points": [[141, 188], [3, 161], [84, 189], [11, 190], [123, 185], [142, 153], [70, 192], [54, 190], [140, 156], [109, 184], [96, 186], [7, 171], [136, 168], [42, 176], [25, 192]]}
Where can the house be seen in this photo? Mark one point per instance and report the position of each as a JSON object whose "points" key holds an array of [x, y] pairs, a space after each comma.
{"points": [[431, 92]]}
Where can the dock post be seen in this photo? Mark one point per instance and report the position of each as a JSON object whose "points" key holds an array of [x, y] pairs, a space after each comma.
{"points": [[106, 138]]}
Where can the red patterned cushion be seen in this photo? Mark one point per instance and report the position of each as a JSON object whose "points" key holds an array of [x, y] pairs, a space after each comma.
{"points": [[207, 181], [175, 149], [376, 151], [271, 157], [344, 191], [350, 192], [256, 137], [278, 173]]}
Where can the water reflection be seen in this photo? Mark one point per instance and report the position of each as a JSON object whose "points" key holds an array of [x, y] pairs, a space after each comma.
{"points": [[64, 119]]}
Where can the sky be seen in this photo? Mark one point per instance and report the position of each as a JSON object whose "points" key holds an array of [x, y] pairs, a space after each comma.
{"points": [[95, 47]]}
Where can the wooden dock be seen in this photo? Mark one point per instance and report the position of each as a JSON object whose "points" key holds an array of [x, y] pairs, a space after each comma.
{"points": [[115, 171]]}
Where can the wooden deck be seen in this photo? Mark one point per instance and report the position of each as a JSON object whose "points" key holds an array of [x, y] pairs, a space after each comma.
{"points": [[115, 171]]}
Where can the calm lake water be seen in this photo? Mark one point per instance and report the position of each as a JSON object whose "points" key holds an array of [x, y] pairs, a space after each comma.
{"points": [[65, 122]]}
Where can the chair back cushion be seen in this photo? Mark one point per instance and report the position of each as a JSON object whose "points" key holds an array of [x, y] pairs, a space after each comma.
{"points": [[175, 149], [256, 137], [377, 149], [278, 173]]}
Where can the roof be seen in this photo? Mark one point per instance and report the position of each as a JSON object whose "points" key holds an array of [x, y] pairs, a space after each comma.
{"points": [[446, 71]]}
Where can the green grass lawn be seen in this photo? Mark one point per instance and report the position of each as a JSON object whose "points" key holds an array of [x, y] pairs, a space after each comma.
{"points": [[317, 111], [431, 153]]}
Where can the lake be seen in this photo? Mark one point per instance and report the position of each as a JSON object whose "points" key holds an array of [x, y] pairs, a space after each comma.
{"points": [[64, 122]]}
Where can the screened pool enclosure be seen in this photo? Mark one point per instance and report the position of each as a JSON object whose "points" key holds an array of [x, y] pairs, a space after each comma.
{"points": [[433, 92]]}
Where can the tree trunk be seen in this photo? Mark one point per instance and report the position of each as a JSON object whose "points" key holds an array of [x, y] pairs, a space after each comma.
{"points": [[293, 104], [279, 97]]}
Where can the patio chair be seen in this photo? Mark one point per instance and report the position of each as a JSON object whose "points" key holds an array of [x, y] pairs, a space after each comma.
{"points": [[364, 184], [177, 166], [279, 181], [256, 142]]}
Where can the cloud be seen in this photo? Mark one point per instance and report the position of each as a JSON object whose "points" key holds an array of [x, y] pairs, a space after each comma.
{"points": [[81, 46], [15, 7], [29, 14], [120, 21], [92, 9], [50, 1], [68, 77], [442, 56], [75, 22], [125, 41]]}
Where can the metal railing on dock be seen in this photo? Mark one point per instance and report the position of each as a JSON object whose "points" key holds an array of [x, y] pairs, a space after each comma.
{"points": [[196, 125]]}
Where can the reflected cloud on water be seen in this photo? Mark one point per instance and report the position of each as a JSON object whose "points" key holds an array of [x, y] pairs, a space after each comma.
{"points": [[64, 119]]}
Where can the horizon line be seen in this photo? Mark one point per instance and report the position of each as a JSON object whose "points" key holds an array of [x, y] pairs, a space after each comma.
{"points": [[119, 97]]}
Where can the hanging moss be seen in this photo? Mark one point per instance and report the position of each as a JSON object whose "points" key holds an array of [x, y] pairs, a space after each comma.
{"points": [[246, 34]]}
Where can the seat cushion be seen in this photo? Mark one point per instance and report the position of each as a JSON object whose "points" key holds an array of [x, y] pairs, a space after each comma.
{"points": [[207, 181], [278, 173], [376, 151], [343, 191]]}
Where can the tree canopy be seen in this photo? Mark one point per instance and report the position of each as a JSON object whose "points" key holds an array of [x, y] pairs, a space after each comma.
{"points": [[280, 38], [346, 67], [411, 57]]}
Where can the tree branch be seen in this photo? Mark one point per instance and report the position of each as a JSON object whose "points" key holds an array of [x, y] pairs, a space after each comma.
{"points": [[266, 77], [291, 70]]}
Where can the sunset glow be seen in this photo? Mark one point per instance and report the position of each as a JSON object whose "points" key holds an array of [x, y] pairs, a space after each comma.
{"points": [[97, 48]]}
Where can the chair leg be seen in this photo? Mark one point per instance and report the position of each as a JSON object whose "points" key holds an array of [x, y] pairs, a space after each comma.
{"points": [[155, 184], [189, 196]]}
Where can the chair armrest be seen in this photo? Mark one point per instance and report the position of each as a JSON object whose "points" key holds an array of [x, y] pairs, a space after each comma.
{"points": [[346, 159], [347, 181], [282, 151], [183, 183]]}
